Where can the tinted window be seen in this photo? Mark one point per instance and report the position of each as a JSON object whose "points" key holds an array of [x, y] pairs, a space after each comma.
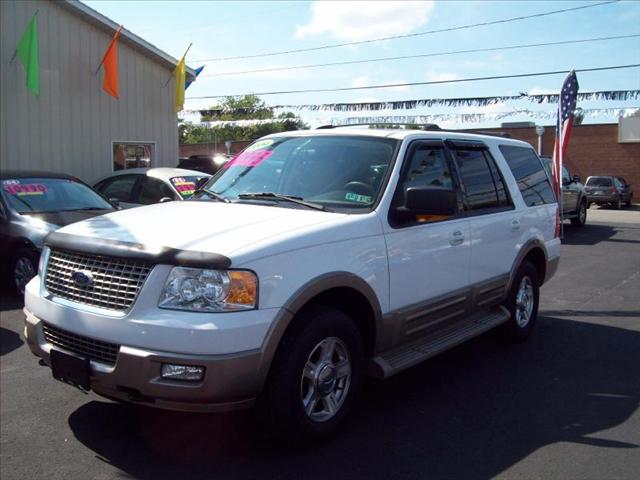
{"points": [[477, 180], [26, 195], [119, 187], [153, 190], [566, 178], [426, 166], [530, 175], [599, 182]]}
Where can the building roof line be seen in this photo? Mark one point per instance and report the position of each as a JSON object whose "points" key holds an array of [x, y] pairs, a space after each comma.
{"points": [[126, 36]]}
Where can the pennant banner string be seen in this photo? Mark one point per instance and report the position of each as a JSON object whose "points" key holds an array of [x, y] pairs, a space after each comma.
{"points": [[429, 118], [603, 95]]}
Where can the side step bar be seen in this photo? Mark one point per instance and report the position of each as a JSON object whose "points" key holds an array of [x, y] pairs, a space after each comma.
{"points": [[393, 361]]}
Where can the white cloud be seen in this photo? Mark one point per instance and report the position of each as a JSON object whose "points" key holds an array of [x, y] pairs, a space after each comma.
{"points": [[433, 76], [360, 20], [361, 81]]}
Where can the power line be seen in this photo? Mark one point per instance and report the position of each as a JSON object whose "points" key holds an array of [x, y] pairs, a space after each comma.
{"points": [[411, 84], [422, 55], [409, 35]]}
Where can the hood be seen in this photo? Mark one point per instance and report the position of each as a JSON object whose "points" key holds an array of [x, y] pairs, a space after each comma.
{"points": [[61, 219], [214, 227]]}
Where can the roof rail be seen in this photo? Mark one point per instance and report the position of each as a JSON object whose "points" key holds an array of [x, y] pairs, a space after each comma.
{"points": [[418, 126]]}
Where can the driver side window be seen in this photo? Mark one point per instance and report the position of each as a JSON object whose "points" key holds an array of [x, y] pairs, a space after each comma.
{"points": [[426, 166]]}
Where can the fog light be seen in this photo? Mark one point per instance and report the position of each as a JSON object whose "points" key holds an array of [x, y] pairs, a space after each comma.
{"points": [[189, 373]]}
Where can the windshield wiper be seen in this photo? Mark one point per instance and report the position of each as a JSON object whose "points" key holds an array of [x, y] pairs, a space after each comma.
{"points": [[214, 195], [286, 198]]}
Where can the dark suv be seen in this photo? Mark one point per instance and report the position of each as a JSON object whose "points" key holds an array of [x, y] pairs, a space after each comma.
{"points": [[574, 198], [204, 163]]}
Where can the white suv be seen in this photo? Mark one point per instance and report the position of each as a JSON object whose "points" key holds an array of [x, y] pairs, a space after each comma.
{"points": [[312, 259]]}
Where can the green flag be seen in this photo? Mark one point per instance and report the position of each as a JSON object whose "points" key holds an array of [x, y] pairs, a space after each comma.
{"points": [[28, 53]]}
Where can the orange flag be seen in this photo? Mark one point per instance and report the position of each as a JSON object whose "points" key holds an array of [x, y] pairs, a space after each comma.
{"points": [[110, 63]]}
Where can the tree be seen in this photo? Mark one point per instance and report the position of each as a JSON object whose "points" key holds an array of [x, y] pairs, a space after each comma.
{"points": [[248, 107]]}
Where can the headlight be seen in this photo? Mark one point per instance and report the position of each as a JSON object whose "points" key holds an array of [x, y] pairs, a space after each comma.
{"points": [[203, 290]]}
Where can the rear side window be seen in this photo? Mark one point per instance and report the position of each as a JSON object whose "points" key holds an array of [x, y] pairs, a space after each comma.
{"points": [[599, 182], [483, 186], [530, 174], [120, 187]]}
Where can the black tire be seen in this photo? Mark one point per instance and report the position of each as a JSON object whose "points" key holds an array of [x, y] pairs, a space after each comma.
{"points": [[280, 407], [516, 330], [22, 260], [581, 217], [618, 204], [629, 202]]}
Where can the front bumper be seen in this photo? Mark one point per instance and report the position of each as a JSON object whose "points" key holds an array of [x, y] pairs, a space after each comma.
{"points": [[231, 381]]}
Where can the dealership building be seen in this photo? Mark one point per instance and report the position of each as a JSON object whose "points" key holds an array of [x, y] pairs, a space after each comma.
{"points": [[73, 125]]}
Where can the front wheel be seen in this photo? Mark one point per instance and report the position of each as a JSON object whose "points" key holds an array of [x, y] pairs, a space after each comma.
{"points": [[315, 377], [581, 219], [522, 302], [23, 268]]}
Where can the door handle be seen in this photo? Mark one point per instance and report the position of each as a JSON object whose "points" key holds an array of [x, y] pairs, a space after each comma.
{"points": [[457, 238], [515, 225]]}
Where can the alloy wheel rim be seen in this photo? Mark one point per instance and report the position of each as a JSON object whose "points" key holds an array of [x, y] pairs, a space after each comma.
{"points": [[524, 302], [23, 272], [325, 380]]}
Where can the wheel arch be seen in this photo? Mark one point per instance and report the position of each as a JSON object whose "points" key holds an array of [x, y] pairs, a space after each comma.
{"points": [[343, 291], [535, 252]]}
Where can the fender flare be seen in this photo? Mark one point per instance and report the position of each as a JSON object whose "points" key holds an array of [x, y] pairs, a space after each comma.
{"points": [[530, 245], [299, 299]]}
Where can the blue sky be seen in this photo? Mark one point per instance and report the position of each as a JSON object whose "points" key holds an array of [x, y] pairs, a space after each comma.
{"points": [[222, 29]]}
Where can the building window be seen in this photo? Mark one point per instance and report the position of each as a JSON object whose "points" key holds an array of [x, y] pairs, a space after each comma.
{"points": [[133, 155]]}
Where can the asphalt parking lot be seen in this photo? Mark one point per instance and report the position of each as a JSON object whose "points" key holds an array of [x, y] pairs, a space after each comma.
{"points": [[563, 405]]}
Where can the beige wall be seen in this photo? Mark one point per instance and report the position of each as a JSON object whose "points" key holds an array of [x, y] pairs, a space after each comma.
{"points": [[70, 126]]}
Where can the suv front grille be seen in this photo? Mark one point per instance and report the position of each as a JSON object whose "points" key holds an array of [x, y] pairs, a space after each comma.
{"points": [[103, 352], [116, 281]]}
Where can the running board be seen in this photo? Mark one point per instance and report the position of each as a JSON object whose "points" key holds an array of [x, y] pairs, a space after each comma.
{"points": [[393, 361]]}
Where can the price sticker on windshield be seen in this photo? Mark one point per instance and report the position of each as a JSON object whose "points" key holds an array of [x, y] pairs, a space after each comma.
{"points": [[22, 189]]}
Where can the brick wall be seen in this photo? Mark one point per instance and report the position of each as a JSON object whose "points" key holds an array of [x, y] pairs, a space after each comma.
{"points": [[210, 148], [593, 150]]}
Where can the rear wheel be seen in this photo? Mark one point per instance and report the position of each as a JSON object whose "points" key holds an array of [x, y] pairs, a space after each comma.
{"points": [[581, 218], [315, 377], [630, 201], [618, 204], [522, 302]]}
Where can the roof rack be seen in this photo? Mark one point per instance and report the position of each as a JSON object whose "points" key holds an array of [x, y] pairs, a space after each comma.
{"points": [[419, 126]]}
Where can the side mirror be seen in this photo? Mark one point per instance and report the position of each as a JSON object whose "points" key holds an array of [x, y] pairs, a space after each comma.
{"points": [[576, 179], [430, 201], [166, 199], [115, 202]]}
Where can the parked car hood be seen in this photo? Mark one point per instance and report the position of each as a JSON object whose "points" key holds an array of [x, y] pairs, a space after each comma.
{"points": [[60, 219], [200, 226]]}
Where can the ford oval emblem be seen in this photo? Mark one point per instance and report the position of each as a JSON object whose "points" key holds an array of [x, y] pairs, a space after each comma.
{"points": [[82, 278]]}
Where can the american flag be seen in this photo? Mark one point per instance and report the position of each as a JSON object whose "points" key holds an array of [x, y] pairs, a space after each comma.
{"points": [[566, 107]]}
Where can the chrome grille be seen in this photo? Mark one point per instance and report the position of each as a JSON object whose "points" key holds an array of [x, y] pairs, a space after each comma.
{"points": [[103, 352], [116, 281]]}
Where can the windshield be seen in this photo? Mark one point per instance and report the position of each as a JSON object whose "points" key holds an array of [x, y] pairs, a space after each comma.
{"points": [[336, 171], [186, 185], [599, 182], [41, 195]]}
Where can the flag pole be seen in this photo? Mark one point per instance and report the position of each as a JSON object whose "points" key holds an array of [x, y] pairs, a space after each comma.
{"points": [[185, 54], [560, 163], [15, 52], [116, 35]]}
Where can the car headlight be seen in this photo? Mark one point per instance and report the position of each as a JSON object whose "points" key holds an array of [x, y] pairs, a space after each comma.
{"points": [[204, 290]]}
